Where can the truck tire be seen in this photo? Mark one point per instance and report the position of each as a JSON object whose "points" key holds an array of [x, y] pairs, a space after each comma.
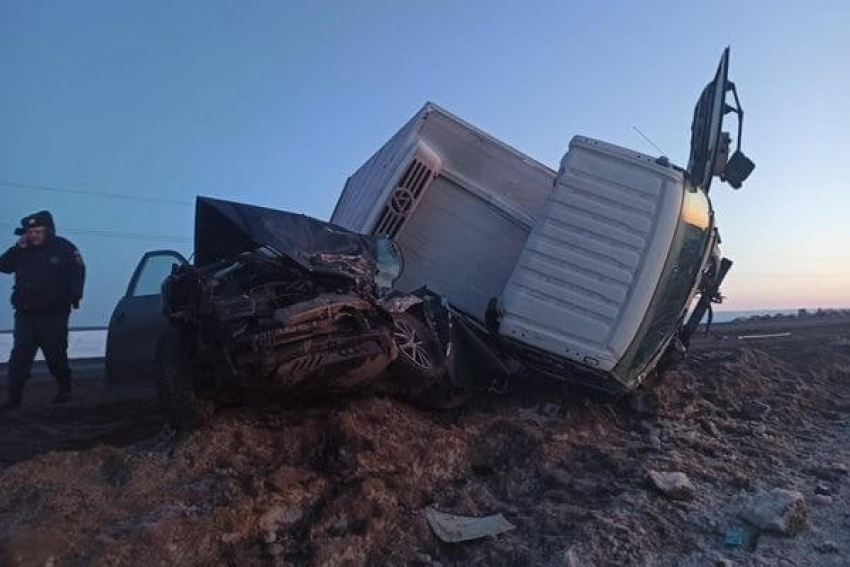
{"points": [[420, 371], [174, 382]]}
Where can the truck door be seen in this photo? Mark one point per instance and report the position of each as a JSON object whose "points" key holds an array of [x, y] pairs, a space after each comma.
{"points": [[137, 320]]}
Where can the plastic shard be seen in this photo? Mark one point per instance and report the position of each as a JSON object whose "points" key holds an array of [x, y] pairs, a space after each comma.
{"points": [[451, 528]]}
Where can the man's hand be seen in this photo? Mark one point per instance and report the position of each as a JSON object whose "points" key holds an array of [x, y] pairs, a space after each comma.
{"points": [[22, 241]]}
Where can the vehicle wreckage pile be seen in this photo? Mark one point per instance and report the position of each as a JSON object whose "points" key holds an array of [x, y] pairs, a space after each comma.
{"points": [[453, 265], [595, 275], [349, 482]]}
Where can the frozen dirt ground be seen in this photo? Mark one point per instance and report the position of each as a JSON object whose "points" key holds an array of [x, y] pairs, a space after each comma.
{"points": [[345, 483]]}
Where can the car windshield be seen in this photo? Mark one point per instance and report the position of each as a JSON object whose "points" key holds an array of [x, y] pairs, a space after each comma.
{"points": [[677, 280]]}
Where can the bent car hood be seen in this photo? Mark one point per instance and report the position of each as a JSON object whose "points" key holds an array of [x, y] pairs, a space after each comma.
{"points": [[224, 229]]}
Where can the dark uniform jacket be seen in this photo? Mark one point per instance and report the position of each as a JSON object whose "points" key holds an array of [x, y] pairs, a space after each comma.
{"points": [[48, 278]]}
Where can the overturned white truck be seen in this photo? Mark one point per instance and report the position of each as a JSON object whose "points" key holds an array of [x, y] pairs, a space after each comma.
{"points": [[585, 274]]}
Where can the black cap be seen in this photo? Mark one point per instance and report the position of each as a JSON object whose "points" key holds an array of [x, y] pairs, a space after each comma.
{"points": [[35, 220]]}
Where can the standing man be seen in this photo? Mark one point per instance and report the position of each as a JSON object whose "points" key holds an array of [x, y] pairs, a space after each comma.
{"points": [[49, 276]]}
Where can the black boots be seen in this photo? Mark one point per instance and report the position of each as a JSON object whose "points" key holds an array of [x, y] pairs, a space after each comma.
{"points": [[62, 396], [64, 393], [12, 403]]}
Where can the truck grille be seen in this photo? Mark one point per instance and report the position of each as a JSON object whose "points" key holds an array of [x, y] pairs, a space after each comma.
{"points": [[403, 199]]}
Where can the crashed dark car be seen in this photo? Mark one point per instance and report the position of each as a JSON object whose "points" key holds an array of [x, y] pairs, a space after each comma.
{"points": [[282, 306]]}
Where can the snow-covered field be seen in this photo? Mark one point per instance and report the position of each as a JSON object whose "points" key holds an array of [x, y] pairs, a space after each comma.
{"points": [[81, 344]]}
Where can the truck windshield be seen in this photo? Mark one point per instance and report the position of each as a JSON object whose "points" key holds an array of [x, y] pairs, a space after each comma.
{"points": [[677, 280]]}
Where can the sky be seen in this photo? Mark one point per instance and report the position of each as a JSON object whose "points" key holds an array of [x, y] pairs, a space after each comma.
{"points": [[275, 103]]}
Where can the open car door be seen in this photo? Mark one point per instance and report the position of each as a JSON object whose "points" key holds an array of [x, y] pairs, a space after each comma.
{"points": [[137, 320]]}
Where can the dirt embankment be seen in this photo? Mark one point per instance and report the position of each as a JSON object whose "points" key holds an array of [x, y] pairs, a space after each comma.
{"points": [[346, 483]]}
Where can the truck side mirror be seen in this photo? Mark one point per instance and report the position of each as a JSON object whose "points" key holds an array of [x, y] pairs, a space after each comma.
{"points": [[722, 158], [738, 168]]}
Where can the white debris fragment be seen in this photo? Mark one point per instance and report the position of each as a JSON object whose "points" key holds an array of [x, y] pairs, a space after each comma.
{"points": [[451, 528]]}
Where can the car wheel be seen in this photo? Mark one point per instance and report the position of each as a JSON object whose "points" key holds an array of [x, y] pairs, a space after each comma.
{"points": [[418, 354], [420, 370], [175, 384]]}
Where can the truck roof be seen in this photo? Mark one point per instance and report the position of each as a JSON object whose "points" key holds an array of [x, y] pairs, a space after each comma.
{"points": [[431, 107]]}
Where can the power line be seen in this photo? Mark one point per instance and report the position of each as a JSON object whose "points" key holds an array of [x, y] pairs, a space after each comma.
{"points": [[645, 137], [58, 189], [130, 235], [118, 234]]}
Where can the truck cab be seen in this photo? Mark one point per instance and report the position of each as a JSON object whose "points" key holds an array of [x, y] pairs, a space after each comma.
{"points": [[588, 273]]}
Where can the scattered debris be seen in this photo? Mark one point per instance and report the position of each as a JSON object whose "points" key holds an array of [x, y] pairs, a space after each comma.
{"points": [[741, 537], [654, 441], [734, 537], [274, 549], [765, 336], [779, 511], [557, 478], [711, 428], [675, 485], [572, 558], [287, 477], [452, 528], [532, 416], [822, 500], [831, 473], [551, 410], [754, 410], [826, 547], [279, 515]]}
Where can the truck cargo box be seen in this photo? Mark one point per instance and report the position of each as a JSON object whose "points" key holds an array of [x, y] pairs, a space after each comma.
{"points": [[459, 203], [586, 275]]}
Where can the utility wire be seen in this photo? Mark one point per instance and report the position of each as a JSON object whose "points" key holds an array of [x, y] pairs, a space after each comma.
{"points": [[117, 234], [58, 189], [645, 137]]}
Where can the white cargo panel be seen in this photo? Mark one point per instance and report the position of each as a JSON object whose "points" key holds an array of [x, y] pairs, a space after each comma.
{"points": [[364, 191], [460, 247], [459, 202], [590, 265], [497, 173]]}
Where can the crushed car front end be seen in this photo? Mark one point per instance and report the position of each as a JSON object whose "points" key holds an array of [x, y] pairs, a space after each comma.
{"points": [[263, 325], [279, 304]]}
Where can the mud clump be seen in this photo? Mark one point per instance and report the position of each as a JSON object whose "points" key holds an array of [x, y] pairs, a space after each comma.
{"points": [[347, 484]]}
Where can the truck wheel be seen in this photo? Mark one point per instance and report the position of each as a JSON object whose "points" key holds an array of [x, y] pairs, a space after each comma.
{"points": [[174, 382], [420, 369]]}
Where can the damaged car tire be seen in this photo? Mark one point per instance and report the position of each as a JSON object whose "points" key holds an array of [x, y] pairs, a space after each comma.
{"points": [[175, 384], [418, 353], [420, 368]]}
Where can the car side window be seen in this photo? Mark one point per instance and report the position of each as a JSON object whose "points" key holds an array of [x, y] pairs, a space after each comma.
{"points": [[152, 273]]}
